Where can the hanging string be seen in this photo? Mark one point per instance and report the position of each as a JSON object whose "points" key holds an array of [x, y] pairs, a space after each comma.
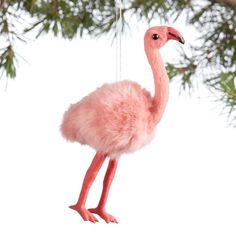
{"points": [[118, 40]]}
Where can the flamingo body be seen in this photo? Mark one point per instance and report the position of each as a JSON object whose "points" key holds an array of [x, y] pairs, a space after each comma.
{"points": [[115, 119], [118, 118]]}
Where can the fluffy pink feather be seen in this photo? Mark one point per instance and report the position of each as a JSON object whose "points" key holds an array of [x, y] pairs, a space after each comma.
{"points": [[114, 119]]}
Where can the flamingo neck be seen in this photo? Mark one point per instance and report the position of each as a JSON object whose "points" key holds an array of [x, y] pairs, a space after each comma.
{"points": [[161, 81]]}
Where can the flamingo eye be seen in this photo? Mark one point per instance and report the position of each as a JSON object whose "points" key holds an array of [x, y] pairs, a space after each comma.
{"points": [[155, 36]]}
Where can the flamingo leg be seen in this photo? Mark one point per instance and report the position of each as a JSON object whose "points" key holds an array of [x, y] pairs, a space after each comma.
{"points": [[109, 176], [89, 178]]}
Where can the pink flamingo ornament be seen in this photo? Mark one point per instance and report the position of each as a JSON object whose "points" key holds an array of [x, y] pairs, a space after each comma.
{"points": [[118, 118]]}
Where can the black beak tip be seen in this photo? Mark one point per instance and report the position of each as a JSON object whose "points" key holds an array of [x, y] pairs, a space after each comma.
{"points": [[181, 40]]}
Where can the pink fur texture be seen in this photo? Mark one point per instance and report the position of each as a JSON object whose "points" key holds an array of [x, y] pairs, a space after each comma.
{"points": [[114, 119]]}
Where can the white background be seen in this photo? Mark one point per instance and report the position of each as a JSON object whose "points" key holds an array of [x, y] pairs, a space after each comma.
{"points": [[183, 183]]}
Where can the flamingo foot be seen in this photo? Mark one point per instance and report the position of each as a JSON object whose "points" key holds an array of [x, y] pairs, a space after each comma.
{"points": [[104, 215], [84, 213]]}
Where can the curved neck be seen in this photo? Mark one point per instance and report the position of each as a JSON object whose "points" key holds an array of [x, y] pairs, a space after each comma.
{"points": [[161, 81]]}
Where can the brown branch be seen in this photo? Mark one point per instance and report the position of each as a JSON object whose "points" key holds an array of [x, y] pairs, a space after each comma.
{"points": [[230, 3]]}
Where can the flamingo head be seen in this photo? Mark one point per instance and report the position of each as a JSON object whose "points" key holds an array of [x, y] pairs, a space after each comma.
{"points": [[157, 36]]}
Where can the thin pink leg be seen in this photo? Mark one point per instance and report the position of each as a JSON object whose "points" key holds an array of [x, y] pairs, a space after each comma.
{"points": [[100, 209], [88, 181]]}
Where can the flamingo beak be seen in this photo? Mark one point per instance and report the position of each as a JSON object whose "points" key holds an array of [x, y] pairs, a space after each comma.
{"points": [[175, 35]]}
